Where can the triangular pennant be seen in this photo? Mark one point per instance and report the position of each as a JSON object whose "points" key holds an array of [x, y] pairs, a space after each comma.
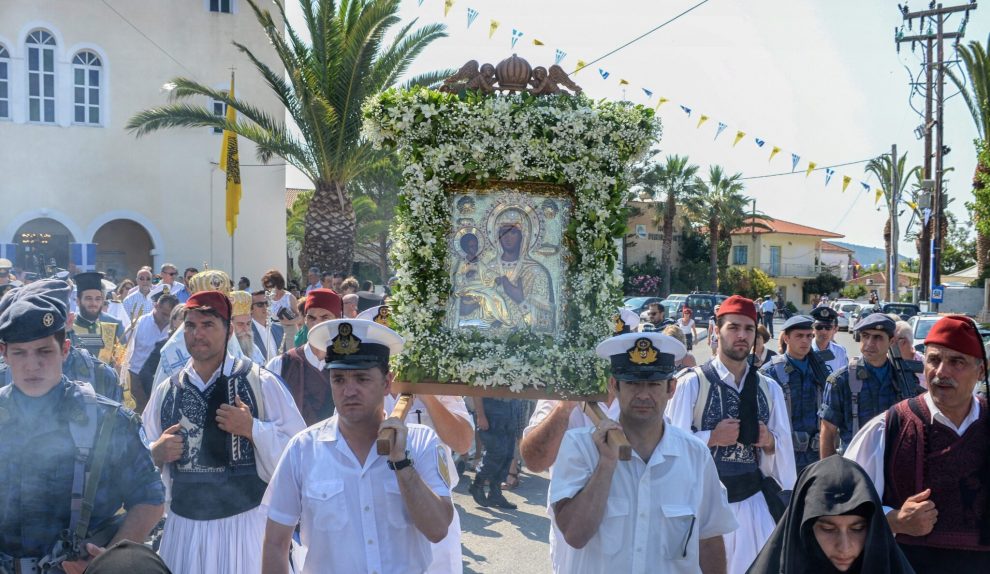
{"points": [[759, 142], [912, 205], [420, 2], [472, 14], [866, 186], [928, 215], [845, 182], [795, 158], [829, 172], [447, 5], [879, 194], [559, 56], [581, 64], [739, 136], [701, 120], [623, 82], [686, 110], [811, 167], [721, 128], [649, 94], [661, 101], [492, 27], [773, 152], [516, 34], [537, 42], [603, 73]]}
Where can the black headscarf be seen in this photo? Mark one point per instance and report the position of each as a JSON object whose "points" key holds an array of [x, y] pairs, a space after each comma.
{"points": [[831, 487]]}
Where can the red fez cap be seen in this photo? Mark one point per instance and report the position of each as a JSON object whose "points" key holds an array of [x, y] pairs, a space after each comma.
{"points": [[737, 305], [956, 332], [325, 299], [214, 300]]}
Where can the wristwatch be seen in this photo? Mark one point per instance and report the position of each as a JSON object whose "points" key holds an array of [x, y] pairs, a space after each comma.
{"points": [[400, 464]]}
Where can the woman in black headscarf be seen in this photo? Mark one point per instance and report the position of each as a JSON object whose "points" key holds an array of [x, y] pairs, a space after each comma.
{"points": [[834, 523]]}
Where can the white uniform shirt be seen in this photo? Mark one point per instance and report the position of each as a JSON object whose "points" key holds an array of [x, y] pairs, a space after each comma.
{"points": [[353, 517], [146, 334], [275, 364], [138, 304], [657, 511], [868, 446], [841, 357], [768, 306], [175, 288]]}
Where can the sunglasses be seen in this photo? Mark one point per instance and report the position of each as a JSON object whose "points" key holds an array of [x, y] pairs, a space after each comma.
{"points": [[260, 304], [823, 327]]}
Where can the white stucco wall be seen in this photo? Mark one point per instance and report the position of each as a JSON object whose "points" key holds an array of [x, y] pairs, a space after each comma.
{"points": [[85, 176]]}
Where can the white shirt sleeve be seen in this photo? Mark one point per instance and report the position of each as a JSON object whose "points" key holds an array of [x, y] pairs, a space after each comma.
{"points": [[430, 459], [680, 409], [457, 407], [574, 465], [283, 422], [780, 464], [284, 493], [867, 449], [543, 409], [715, 515], [274, 365]]}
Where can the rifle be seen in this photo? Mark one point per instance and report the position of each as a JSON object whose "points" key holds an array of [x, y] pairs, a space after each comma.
{"points": [[904, 371], [818, 360]]}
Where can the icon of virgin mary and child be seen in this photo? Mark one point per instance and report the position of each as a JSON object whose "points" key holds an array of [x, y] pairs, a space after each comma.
{"points": [[507, 289]]}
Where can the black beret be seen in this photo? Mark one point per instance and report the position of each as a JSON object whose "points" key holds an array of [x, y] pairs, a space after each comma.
{"points": [[29, 316], [51, 287], [798, 322], [879, 322]]}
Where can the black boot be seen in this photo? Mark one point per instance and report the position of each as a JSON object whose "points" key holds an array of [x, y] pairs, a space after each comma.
{"points": [[477, 490], [498, 500]]}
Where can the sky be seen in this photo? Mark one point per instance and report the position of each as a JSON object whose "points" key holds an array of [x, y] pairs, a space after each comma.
{"points": [[818, 78]]}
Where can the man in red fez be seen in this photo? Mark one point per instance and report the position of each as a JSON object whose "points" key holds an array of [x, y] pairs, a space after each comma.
{"points": [[217, 429], [929, 457], [742, 415], [301, 368]]}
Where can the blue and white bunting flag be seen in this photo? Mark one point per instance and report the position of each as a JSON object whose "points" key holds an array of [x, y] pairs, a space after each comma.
{"points": [[866, 186], [472, 14], [721, 128], [829, 172], [603, 73], [516, 34], [648, 93], [759, 142], [795, 158], [559, 56], [687, 110]]}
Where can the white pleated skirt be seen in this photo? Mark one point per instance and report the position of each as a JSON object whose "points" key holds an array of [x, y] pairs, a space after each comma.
{"points": [[223, 546]]}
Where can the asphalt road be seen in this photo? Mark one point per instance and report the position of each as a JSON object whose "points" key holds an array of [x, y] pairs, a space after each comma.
{"points": [[516, 541]]}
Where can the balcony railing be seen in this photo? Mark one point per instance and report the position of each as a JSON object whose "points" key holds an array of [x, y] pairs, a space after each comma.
{"points": [[801, 270]]}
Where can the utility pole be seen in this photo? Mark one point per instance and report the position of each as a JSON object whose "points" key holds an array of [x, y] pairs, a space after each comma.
{"points": [[931, 234], [894, 234]]}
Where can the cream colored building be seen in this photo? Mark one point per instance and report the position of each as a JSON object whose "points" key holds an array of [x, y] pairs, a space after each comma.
{"points": [[790, 253], [644, 234], [78, 188]]}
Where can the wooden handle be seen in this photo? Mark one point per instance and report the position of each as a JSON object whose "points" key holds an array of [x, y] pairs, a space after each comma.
{"points": [[614, 436], [387, 436]]}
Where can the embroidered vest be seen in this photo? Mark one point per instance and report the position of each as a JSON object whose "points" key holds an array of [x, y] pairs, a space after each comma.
{"points": [[922, 454], [206, 486], [310, 387], [722, 402]]}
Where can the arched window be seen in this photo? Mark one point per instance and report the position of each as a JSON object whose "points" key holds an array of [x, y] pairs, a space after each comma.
{"points": [[86, 72], [4, 83], [41, 77]]}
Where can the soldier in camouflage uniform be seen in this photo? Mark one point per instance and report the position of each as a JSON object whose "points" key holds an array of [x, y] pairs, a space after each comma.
{"points": [[48, 428], [79, 364]]}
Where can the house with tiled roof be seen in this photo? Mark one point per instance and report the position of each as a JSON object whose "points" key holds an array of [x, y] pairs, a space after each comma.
{"points": [[790, 253], [839, 257]]}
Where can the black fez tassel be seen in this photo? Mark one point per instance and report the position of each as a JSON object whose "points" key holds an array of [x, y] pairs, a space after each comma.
{"points": [[749, 411]]}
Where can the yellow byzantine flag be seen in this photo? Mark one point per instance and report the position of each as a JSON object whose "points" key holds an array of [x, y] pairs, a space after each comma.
{"points": [[537, 42], [492, 27], [580, 66], [739, 136], [879, 194], [773, 152], [447, 5], [845, 182], [231, 165], [811, 167], [702, 120]]}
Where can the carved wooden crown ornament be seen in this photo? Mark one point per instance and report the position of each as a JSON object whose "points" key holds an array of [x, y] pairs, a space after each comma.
{"points": [[510, 75]]}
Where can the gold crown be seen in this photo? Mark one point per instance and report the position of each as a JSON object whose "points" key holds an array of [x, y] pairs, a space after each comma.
{"points": [[240, 302], [210, 280]]}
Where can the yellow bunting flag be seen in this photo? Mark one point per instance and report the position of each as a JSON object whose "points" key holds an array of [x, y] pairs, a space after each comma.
{"points": [[739, 136], [230, 164], [661, 102], [845, 182], [580, 66], [701, 120], [773, 152], [491, 28], [879, 194], [811, 167], [623, 82], [537, 42], [912, 205], [447, 5]]}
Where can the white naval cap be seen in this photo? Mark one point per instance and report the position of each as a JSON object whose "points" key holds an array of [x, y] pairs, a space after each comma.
{"points": [[645, 356], [355, 343], [624, 321]]}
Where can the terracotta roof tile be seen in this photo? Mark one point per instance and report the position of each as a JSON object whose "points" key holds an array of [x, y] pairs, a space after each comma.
{"points": [[781, 226], [826, 246]]}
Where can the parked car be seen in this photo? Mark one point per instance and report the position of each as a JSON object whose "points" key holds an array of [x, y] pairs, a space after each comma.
{"points": [[639, 304], [920, 325], [904, 310], [676, 297], [702, 306], [673, 308], [845, 311], [861, 313]]}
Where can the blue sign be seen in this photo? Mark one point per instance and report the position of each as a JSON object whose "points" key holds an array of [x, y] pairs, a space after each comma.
{"points": [[937, 294]]}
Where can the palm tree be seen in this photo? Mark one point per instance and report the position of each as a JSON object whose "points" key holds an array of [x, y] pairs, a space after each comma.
{"points": [[676, 179], [881, 168], [376, 195], [719, 204], [322, 88], [975, 92]]}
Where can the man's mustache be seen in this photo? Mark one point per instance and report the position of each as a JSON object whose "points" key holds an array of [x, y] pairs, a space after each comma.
{"points": [[943, 381]]}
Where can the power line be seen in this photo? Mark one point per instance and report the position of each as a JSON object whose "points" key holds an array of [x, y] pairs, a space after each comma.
{"points": [[146, 37], [804, 171], [645, 34]]}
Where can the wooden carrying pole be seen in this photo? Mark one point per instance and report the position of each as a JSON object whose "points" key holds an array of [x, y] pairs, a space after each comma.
{"points": [[399, 411], [614, 436]]}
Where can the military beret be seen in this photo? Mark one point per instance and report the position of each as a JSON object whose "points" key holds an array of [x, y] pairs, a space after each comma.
{"points": [[878, 322], [798, 322], [52, 287], [355, 343], [646, 356], [824, 314], [30, 316]]}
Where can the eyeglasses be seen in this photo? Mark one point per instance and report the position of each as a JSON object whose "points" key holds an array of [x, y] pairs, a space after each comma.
{"points": [[823, 327], [260, 304]]}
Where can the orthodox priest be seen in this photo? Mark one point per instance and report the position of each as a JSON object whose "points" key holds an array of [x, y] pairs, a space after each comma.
{"points": [[97, 332], [217, 430], [742, 416]]}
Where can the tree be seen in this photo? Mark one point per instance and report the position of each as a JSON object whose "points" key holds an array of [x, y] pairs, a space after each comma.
{"points": [[976, 92], [748, 282], [882, 167], [295, 224], [674, 179], [376, 193], [719, 204], [825, 283], [322, 88]]}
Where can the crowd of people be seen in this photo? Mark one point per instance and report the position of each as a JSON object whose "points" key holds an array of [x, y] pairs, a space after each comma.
{"points": [[252, 421]]}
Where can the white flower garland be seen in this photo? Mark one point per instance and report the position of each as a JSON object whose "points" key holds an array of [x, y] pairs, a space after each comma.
{"points": [[443, 140]]}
